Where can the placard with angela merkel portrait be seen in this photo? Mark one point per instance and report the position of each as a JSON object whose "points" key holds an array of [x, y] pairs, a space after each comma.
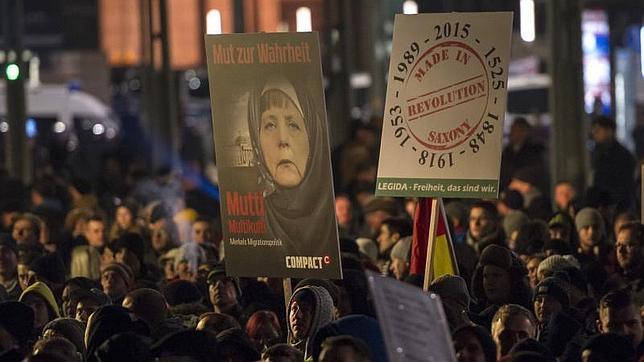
{"points": [[273, 157]]}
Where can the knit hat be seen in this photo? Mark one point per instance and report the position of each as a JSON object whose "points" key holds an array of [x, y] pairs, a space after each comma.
{"points": [[70, 329], [123, 270], [401, 249], [513, 221], [368, 247], [17, 319], [496, 255], [553, 263], [42, 290], [452, 288], [561, 219], [181, 292], [589, 217], [219, 272], [554, 288]]}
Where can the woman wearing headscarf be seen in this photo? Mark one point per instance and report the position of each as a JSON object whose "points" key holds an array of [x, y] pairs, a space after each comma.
{"points": [[291, 153]]}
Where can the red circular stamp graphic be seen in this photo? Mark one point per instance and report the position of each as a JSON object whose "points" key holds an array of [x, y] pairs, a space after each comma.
{"points": [[445, 110]]}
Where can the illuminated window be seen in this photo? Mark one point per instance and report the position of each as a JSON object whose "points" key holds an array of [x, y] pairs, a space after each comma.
{"points": [[213, 22], [410, 7], [303, 19]]}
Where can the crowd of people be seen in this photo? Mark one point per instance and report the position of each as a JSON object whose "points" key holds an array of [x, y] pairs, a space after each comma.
{"points": [[133, 268]]}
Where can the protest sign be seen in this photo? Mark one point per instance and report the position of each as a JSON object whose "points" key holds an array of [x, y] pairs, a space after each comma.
{"points": [[273, 158], [446, 98], [413, 322]]}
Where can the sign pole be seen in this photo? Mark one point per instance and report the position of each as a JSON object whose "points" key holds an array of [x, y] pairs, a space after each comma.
{"points": [[433, 225], [288, 292]]}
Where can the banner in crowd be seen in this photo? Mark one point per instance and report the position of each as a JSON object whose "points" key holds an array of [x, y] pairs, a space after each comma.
{"points": [[442, 257], [413, 322], [273, 157], [446, 96]]}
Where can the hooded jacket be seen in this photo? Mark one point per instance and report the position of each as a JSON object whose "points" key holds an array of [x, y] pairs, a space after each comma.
{"points": [[43, 290], [322, 314], [106, 322]]}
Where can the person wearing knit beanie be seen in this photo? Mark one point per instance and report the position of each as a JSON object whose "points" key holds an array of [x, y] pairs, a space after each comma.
{"points": [[451, 289], [590, 227], [500, 278], [400, 258], [117, 279], [551, 265], [455, 298], [549, 298], [68, 328]]}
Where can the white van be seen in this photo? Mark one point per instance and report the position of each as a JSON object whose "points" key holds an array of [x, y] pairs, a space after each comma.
{"points": [[63, 111]]}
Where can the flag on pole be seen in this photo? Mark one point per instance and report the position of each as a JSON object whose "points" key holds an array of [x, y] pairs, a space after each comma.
{"points": [[443, 258]]}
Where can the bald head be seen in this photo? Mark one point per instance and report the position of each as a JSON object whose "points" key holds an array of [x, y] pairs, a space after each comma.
{"points": [[147, 304]]}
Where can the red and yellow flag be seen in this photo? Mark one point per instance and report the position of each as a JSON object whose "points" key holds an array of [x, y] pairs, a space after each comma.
{"points": [[443, 259]]}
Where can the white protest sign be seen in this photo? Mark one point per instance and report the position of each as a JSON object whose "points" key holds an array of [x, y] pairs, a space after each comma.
{"points": [[446, 97], [413, 323]]}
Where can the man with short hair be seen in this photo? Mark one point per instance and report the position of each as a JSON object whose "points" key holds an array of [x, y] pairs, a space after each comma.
{"points": [[203, 234], [629, 250], [564, 196], [224, 293], [511, 324], [86, 257], [484, 227], [619, 314], [391, 230], [95, 232]]}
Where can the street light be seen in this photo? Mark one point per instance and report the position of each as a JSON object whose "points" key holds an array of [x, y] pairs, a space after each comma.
{"points": [[410, 7], [12, 71], [526, 8], [303, 19]]}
